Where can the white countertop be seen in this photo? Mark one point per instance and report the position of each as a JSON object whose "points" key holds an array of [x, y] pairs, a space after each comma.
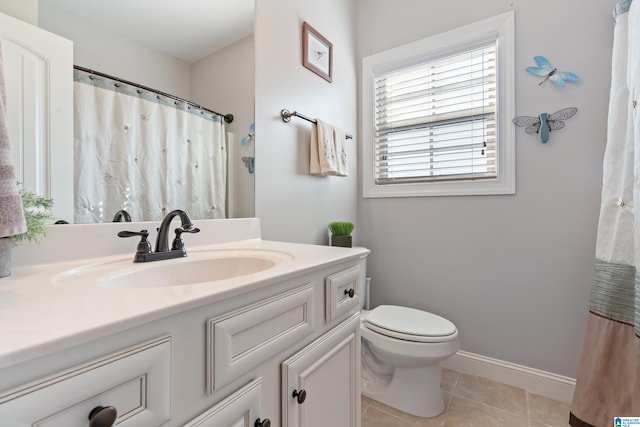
{"points": [[39, 316]]}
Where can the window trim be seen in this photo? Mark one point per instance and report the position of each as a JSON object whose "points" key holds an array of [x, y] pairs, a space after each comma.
{"points": [[499, 28]]}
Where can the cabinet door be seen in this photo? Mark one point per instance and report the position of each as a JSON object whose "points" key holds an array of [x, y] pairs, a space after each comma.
{"points": [[327, 372], [38, 68], [241, 409]]}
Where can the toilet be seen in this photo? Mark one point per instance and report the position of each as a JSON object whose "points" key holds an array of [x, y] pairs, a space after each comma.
{"points": [[402, 349]]}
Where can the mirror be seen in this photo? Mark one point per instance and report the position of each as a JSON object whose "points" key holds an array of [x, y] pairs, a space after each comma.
{"points": [[198, 50]]}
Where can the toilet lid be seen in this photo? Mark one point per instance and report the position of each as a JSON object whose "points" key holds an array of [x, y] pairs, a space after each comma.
{"points": [[409, 323]]}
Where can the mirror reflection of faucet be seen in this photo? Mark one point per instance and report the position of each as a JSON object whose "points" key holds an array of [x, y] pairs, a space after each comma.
{"points": [[121, 216], [177, 250]]}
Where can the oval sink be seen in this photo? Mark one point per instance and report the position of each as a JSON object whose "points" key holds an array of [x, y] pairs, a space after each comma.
{"points": [[189, 272], [197, 267]]}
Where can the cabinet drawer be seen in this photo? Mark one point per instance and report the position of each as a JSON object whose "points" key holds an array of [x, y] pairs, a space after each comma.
{"points": [[135, 381], [342, 293], [240, 340]]}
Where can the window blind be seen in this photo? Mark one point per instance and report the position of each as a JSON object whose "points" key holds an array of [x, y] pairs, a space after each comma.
{"points": [[436, 121]]}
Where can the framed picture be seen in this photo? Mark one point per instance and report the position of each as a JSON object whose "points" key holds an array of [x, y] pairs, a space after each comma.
{"points": [[317, 52]]}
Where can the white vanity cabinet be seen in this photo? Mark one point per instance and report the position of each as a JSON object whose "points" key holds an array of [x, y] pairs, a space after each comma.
{"points": [[230, 362]]}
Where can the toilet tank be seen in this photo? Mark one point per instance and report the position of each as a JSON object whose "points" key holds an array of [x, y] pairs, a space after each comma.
{"points": [[365, 292]]}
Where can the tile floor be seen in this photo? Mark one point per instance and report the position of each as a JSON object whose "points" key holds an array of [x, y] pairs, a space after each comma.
{"points": [[475, 402]]}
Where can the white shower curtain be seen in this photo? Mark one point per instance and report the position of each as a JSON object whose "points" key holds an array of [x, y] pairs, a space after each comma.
{"points": [[608, 384], [145, 154]]}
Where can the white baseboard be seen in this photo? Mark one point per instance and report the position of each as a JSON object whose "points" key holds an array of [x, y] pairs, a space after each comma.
{"points": [[536, 381]]}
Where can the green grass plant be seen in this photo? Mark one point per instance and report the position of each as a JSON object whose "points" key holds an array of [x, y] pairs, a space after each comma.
{"points": [[341, 228]]}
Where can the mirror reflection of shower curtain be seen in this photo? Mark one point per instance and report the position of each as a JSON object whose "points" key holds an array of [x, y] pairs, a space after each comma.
{"points": [[608, 382], [144, 154]]}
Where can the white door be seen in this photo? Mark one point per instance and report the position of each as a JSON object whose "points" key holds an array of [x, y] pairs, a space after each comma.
{"points": [[321, 383], [38, 68]]}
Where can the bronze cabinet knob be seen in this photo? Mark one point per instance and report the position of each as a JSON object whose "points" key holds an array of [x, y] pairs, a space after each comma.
{"points": [[300, 395], [102, 416]]}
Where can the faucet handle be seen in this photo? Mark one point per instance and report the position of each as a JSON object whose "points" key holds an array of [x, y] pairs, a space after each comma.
{"points": [[189, 228], [126, 233], [178, 243], [144, 247]]}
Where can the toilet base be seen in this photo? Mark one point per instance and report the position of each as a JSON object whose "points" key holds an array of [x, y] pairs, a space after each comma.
{"points": [[417, 391]]}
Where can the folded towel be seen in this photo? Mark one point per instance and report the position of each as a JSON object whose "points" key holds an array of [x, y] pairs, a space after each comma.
{"points": [[340, 139], [12, 220], [328, 150]]}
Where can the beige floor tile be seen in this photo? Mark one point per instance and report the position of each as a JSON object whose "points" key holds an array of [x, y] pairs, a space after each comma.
{"points": [[466, 413], [449, 379], [548, 412], [365, 402], [500, 396], [399, 414], [475, 402], [373, 417], [447, 399], [389, 410]]}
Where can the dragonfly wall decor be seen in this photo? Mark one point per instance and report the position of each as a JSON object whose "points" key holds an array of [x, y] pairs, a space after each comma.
{"points": [[544, 69], [544, 123], [250, 136]]}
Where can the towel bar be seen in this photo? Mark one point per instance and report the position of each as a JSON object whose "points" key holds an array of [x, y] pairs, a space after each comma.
{"points": [[286, 117]]}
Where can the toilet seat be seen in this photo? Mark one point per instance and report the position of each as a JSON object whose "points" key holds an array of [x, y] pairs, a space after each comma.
{"points": [[410, 324]]}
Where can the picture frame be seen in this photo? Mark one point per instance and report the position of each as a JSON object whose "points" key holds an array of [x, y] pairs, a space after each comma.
{"points": [[317, 52]]}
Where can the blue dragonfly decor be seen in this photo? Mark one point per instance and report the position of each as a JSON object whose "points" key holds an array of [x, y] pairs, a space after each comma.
{"points": [[545, 123], [250, 136], [544, 69]]}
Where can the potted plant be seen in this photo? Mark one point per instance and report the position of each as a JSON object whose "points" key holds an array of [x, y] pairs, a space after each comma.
{"points": [[37, 214], [341, 233]]}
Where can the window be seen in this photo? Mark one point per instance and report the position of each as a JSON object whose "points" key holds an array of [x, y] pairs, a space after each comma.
{"points": [[437, 114]]}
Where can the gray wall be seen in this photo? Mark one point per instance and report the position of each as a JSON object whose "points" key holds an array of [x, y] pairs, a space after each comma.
{"points": [[229, 75], [512, 272], [291, 204], [101, 49], [26, 10]]}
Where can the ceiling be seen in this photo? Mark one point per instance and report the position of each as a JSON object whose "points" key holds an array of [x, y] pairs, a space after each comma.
{"points": [[186, 29]]}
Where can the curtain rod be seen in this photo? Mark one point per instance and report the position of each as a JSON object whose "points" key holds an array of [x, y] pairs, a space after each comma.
{"points": [[228, 118], [286, 117]]}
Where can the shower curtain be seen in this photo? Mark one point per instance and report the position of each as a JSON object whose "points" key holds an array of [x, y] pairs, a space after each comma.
{"points": [[608, 384], [144, 153]]}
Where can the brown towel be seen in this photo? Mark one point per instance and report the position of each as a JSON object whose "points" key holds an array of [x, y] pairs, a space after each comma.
{"points": [[12, 220]]}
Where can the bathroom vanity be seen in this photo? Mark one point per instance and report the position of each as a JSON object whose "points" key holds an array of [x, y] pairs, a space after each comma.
{"points": [[241, 332]]}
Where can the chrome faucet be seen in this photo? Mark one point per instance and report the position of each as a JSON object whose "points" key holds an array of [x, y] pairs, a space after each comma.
{"points": [[144, 253]]}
